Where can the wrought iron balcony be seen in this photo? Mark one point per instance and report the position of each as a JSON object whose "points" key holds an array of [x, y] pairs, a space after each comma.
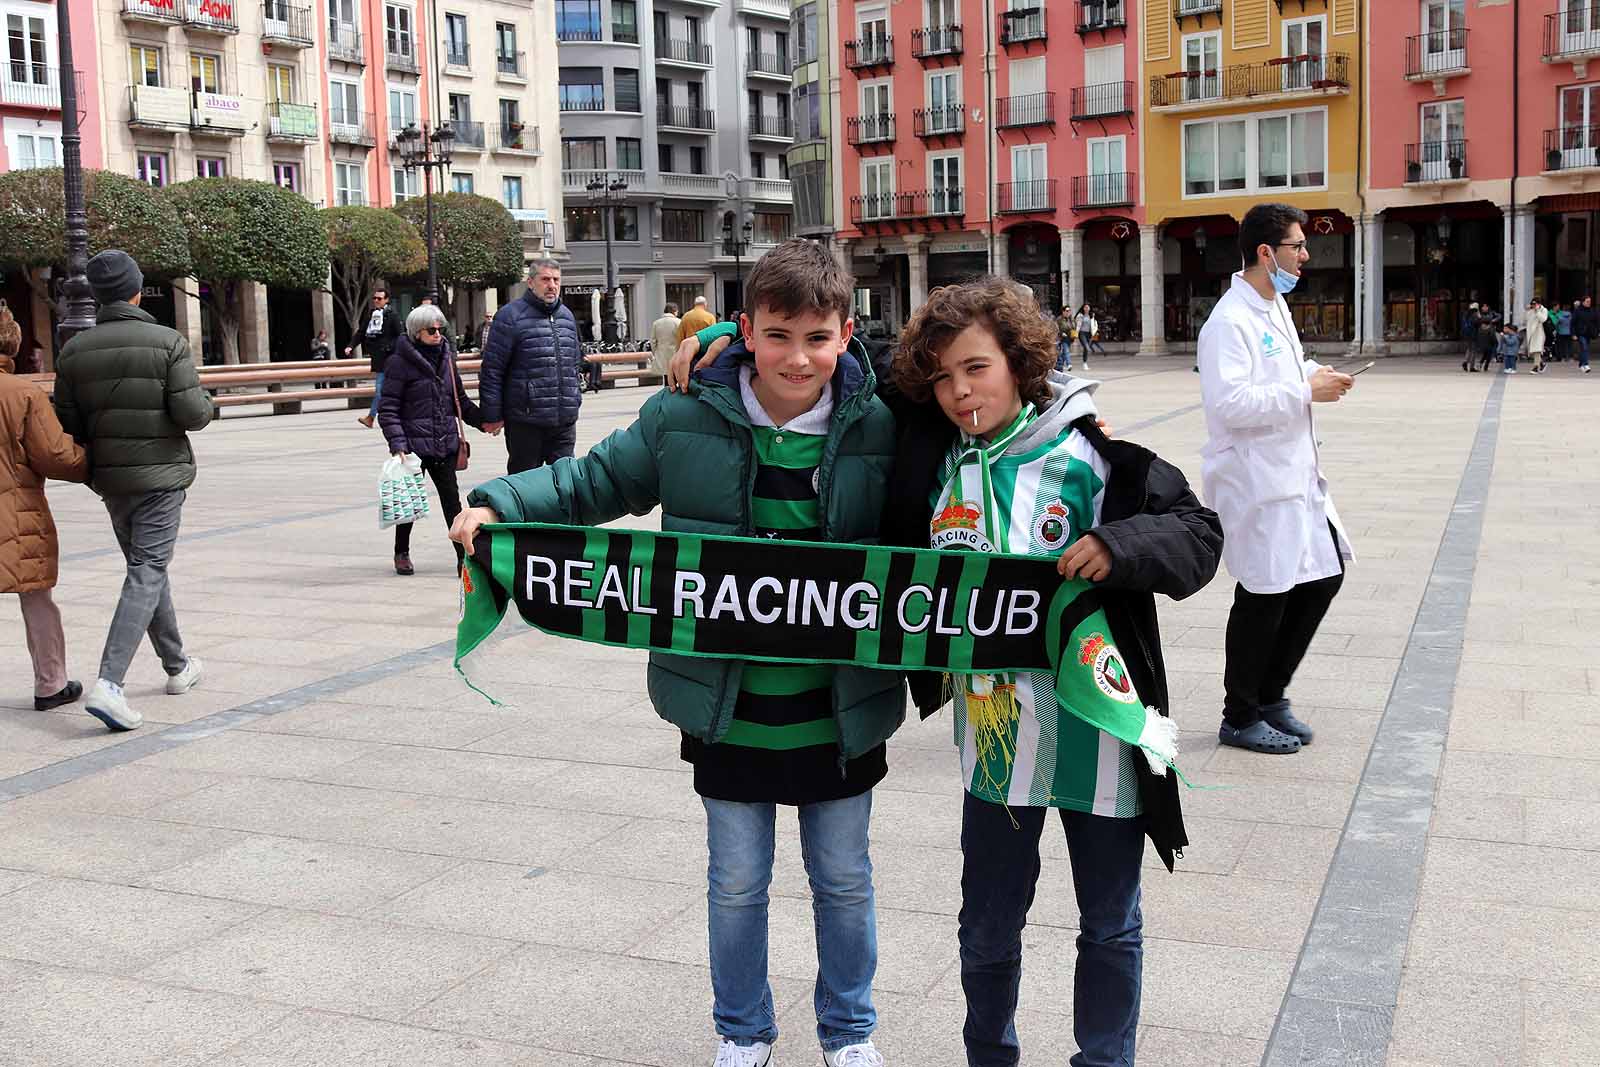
{"points": [[351, 127], [469, 134], [1021, 198], [344, 43], [515, 137], [458, 54], [773, 63], [1032, 109], [1572, 148], [1573, 34], [291, 123], [1098, 16], [772, 127], [870, 129], [1022, 25], [947, 204], [1104, 190], [686, 118], [1103, 101], [401, 57], [1304, 75], [31, 84], [165, 12], [691, 52], [1436, 55], [286, 24], [948, 121], [930, 42], [869, 52], [211, 16], [511, 65], [1437, 161]]}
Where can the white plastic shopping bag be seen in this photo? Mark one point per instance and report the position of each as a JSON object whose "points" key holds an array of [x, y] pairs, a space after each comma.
{"points": [[402, 492]]}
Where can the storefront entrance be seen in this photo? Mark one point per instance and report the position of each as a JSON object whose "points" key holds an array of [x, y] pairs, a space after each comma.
{"points": [[1436, 261]]}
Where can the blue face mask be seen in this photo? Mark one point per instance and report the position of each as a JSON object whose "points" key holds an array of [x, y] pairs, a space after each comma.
{"points": [[1282, 280]]}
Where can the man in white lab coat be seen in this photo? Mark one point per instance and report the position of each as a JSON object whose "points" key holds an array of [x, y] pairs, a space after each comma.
{"points": [[1282, 539]]}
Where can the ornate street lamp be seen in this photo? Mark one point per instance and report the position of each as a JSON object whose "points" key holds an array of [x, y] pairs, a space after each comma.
{"points": [[736, 246], [427, 151], [77, 297], [608, 190]]}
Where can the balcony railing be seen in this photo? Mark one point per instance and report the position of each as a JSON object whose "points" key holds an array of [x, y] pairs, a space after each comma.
{"points": [[581, 97], [930, 41], [1436, 161], [773, 190], [774, 63], [579, 34], [458, 54], [1021, 25], [625, 33], [1197, 7], [286, 24], [401, 57], [1020, 198], [349, 198], [1033, 109], [1097, 16], [351, 127], [923, 204], [1437, 54], [165, 11], [869, 52], [675, 51], [344, 43], [469, 134], [948, 121], [1103, 101], [779, 127], [1103, 190], [686, 118], [159, 107], [1573, 33], [212, 16], [1291, 74], [296, 123], [774, 9], [30, 85], [707, 185], [511, 64], [870, 129], [578, 181], [1572, 148], [515, 137]]}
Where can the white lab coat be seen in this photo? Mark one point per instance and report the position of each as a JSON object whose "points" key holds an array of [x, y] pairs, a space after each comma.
{"points": [[1259, 468]]}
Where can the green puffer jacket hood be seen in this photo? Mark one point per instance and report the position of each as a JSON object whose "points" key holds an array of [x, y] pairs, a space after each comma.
{"points": [[127, 390], [694, 456]]}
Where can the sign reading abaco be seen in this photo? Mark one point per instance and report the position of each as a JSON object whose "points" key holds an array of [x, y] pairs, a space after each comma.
{"points": [[214, 109]]}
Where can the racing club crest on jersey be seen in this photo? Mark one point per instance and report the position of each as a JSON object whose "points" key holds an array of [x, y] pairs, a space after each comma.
{"points": [[1110, 673], [957, 527], [1053, 527]]}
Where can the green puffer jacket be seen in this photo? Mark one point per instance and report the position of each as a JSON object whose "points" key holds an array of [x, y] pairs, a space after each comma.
{"points": [[128, 392], [695, 456]]}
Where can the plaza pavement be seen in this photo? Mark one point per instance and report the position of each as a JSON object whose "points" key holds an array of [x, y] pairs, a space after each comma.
{"points": [[333, 852]]}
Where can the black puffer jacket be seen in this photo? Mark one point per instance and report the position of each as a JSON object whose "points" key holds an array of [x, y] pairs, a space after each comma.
{"points": [[379, 346], [416, 411], [531, 364], [128, 392], [1162, 540]]}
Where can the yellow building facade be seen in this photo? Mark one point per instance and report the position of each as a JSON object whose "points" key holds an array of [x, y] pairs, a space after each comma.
{"points": [[1246, 102]]}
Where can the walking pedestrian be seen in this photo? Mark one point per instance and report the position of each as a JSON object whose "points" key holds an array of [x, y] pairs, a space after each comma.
{"points": [[1561, 320], [1487, 339], [664, 338], [1534, 325], [321, 350], [1510, 343], [1469, 334], [1065, 331], [423, 405], [528, 382], [483, 331], [127, 390], [33, 447], [1085, 325], [1584, 327], [377, 341], [697, 319], [1263, 475]]}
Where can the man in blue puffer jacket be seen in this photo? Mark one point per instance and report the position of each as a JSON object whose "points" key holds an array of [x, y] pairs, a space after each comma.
{"points": [[529, 379]]}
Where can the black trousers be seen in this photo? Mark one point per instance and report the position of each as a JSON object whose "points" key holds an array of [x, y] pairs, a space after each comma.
{"points": [[529, 446], [1268, 634], [443, 473]]}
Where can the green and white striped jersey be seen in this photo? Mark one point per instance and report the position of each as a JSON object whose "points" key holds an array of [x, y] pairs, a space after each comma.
{"points": [[1043, 499]]}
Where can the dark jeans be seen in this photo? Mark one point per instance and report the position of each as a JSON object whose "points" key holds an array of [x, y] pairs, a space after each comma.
{"points": [[1583, 351], [443, 473], [1000, 867], [1563, 346], [529, 446], [1268, 634]]}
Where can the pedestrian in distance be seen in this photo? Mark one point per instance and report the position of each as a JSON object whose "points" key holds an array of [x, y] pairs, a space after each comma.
{"points": [[377, 341], [127, 391], [1469, 334], [1510, 344], [1534, 322], [33, 447], [782, 415], [1562, 315], [321, 350], [664, 338], [1585, 325], [1487, 339], [695, 320], [1263, 474], [528, 381], [1128, 522], [483, 330], [1086, 326], [1066, 331], [423, 405]]}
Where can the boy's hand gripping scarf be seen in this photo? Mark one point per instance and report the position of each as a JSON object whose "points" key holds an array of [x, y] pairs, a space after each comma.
{"points": [[801, 602]]}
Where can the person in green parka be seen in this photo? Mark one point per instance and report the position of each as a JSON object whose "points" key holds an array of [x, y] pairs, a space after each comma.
{"points": [[782, 437]]}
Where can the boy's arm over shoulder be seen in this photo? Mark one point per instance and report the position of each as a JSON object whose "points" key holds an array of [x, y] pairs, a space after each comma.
{"points": [[1172, 546], [187, 403], [619, 476], [716, 331]]}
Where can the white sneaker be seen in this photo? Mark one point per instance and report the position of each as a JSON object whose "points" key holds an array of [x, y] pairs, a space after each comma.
{"points": [[1509, 370], [107, 704], [731, 1055], [862, 1055], [186, 679]]}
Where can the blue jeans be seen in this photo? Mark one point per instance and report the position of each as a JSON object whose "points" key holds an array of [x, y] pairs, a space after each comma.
{"points": [[1064, 355], [1510, 361], [1000, 867], [377, 393], [1583, 351], [833, 842]]}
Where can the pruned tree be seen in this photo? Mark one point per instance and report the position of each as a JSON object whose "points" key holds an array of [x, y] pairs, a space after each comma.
{"points": [[477, 244], [123, 213], [243, 231], [368, 245]]}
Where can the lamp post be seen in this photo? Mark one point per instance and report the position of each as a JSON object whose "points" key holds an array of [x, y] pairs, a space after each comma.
{"points": [[427, 151], [607, 190], [77, 298], [737, 246]]}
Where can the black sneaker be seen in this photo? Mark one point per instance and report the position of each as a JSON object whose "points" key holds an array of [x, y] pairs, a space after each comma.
{"points": [[69, 695]]}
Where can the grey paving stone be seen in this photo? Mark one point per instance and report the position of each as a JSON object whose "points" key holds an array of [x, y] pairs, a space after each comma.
{"points": [[1503, 941], [1459, 1019], [447, 773], [1512, 874], [1559, 1024], [240, 752], [1288, 853], [1482, 818], [317, 1039], [431, 727], [101, 847], [129, 789], [1188, 1048], [1510, 774]]}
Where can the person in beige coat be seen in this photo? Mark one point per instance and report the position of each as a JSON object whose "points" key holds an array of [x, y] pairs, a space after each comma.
{"points": [[33, 447], [1534, 323]]}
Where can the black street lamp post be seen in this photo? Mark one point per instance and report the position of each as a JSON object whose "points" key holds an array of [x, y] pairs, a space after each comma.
{"points": [[428, 151], [607, 190], [77, 298], [737, 246]]}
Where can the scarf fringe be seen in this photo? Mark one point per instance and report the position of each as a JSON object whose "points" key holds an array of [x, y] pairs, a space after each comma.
{"points": [[1158, 742]]}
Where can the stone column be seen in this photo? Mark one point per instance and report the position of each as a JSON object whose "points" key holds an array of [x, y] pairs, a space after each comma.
{"points": [[1369, 283], [322, 315], [1152, 295], [491, 300], [841, 254], [917, 260], [253, 323], [1519, 260], [1072, 266], [1002, 255], [186, 313]]}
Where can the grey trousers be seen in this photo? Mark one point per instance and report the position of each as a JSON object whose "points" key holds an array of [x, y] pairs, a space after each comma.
{"points": [[146, 526]]}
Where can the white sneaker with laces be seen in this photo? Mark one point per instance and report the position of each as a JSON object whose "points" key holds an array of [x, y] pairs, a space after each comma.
{"points": [[862, 1055], [107, 704], [731, 1055], [186, 679]]}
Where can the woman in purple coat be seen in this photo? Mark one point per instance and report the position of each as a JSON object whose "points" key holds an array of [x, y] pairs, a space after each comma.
{"points": [[417, 411]]}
